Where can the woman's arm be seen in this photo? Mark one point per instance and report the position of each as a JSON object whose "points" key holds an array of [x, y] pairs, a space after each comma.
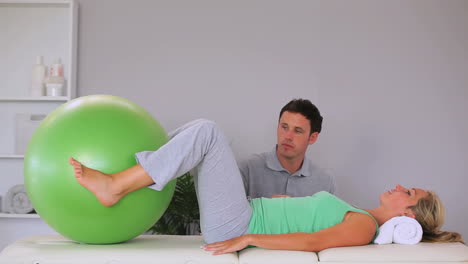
{"points": [[356, 229], [280, 195]]}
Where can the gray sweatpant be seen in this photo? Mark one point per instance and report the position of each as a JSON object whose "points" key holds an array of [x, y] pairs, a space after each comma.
{"points": [[224, 209]]}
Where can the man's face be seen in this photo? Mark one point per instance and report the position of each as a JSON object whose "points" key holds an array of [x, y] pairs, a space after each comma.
{"points": [[294, 135]]}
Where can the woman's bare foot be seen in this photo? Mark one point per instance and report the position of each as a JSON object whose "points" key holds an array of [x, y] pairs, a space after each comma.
{"points": [[100, 184]]}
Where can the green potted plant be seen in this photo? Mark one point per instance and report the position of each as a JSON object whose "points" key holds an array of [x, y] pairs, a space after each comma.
{"points": [[182, 217]]}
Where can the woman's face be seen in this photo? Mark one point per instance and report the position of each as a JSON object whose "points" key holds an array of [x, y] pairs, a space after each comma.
{"points": [[399, 198]]}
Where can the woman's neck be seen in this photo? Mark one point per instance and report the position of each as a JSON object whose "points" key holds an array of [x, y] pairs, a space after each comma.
{"points": [[380, 214]]}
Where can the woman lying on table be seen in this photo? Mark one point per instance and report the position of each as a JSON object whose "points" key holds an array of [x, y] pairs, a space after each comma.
{"points": [[229, 222]]}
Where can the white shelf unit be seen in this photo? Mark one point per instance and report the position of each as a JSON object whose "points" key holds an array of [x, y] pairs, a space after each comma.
{"points": [[11, 156], [36, 99], [20, 216], [30, 28]]}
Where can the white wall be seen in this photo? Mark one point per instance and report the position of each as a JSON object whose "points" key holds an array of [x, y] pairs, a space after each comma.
{"points": [[394, 86], [388, 76], [228, 61]]}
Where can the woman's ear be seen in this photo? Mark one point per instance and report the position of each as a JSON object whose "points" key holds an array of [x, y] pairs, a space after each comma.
{"points": [[409, 213]]}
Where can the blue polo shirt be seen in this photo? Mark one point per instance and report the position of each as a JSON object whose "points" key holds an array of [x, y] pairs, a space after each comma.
{"points": [[264, 176]]}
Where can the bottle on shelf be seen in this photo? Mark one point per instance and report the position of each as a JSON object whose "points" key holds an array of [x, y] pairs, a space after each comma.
{"points": [[55, 81], [38, 77]]}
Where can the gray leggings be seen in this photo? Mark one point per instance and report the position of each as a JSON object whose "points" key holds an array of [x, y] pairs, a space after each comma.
{"points": [[224, 209]]}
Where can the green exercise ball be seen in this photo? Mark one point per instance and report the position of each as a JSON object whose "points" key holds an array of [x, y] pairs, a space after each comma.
{"points": [[103, 132]]}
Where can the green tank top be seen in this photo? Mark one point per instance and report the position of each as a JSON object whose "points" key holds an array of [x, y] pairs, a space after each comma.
{"points": [[302, 214]]}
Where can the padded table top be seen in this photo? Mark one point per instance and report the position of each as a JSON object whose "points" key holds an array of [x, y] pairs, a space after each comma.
{"points": [[143, 249]]}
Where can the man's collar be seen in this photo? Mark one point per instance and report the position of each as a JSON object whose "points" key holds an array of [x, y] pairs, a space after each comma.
{"points": [[273, 163]]}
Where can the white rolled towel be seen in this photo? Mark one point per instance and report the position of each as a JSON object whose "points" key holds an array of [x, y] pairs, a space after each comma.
{"points": [[400, 230], [16, 201]]}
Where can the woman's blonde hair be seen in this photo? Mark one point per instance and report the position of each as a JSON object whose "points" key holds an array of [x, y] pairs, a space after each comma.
{"points": [[430, 213]]}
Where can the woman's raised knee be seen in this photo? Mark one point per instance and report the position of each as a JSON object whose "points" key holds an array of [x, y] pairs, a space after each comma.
{"points": [[208, 124]]}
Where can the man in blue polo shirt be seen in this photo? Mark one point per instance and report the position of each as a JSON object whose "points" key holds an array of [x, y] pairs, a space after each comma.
{"points": [[286, 170]]}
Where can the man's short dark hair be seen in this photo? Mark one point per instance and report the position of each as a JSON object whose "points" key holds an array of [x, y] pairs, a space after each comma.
{"points": [[308, 110]]}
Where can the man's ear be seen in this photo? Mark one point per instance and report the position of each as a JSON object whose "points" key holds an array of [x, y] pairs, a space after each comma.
{"points": [[313, 137]]}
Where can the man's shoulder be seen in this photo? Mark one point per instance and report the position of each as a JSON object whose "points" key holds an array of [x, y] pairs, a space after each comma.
{"points": [[254, 159], [255, 165], [321, 177], [314, 168]]}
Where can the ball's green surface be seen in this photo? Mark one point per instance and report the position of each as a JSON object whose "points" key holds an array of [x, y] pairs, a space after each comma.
{"points": [[103, 132]]}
